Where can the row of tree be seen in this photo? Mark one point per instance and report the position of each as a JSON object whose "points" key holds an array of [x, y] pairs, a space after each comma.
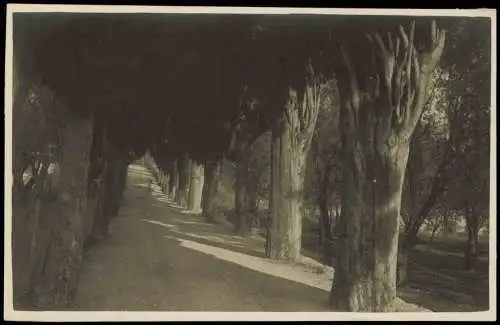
{"points": [[263, 74], [426, 189]]}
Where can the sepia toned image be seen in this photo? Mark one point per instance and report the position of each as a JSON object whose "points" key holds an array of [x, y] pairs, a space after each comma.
{"points": [[315, 163]]}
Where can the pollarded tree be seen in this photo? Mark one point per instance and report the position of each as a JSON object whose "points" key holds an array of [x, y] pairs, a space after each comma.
{"points": [[287, 86], [382, 98], [290, 144]]}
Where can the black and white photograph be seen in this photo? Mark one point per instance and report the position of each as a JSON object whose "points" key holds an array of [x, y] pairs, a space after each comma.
{"points": [[246, 163]]}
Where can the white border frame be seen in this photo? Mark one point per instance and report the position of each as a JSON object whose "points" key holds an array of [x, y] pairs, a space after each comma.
{"points": [[11, 314]]}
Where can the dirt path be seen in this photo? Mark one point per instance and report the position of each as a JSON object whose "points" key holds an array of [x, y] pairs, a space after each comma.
{"points": [[159, 259]]}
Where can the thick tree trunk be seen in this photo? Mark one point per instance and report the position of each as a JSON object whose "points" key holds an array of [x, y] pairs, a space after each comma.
{"points": [[196, 187], [164, 176], [119, 179], [109, 202], [174, 180], [184, 180], [36, 202], [20, 90], [160, 179], [287, 179], [166, 182], [73, 196], [242, 203], [97, 190], [210, 189], [365, 275], [379, 112], [290, 144], [97, 225]]}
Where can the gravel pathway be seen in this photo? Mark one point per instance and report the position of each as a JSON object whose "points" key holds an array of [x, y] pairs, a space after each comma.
{"points": [[143, 266]]}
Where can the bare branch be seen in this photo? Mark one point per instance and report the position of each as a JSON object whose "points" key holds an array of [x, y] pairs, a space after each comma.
{"points": [[404, 37], [380, 43], [416, 68], [434, 32], [375, 65], [389, 37], [287, 114], [397, 47], [410, 93], [411, 51], [388, 60], [398, 93]]}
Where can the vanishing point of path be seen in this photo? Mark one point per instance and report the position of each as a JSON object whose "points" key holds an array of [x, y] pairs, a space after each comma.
{"points": [[158, 258]]}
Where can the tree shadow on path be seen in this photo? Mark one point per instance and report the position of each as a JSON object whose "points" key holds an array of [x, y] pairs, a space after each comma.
{"points": [[160, 259]]}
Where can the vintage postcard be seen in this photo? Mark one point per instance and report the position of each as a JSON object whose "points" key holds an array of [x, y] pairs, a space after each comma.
{"points": [[245, 163]]}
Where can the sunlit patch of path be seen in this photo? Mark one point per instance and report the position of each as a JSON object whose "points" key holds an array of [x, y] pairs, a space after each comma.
{"points": [[293, 273], [159, 259]]}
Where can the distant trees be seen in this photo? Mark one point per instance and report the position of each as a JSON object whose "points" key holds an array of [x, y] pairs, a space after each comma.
{"points": [[470, 137], [325, 168], [453, 129], [425, 178]]}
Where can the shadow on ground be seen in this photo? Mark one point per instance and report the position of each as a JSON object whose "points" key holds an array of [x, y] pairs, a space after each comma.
{"points": [[158, 258], [436, 276], [192, 227], [438, 280], [161, 258]]}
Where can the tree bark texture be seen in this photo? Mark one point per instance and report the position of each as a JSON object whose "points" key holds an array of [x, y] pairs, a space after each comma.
{"points": [[291, 140], [38, 210], [67, 256], [95, 226], [173, 185], [210, 188], [96, 191], [118, 180], [196, 187], [184, 180], [241, 197], [379, 111], [165, 183]]}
